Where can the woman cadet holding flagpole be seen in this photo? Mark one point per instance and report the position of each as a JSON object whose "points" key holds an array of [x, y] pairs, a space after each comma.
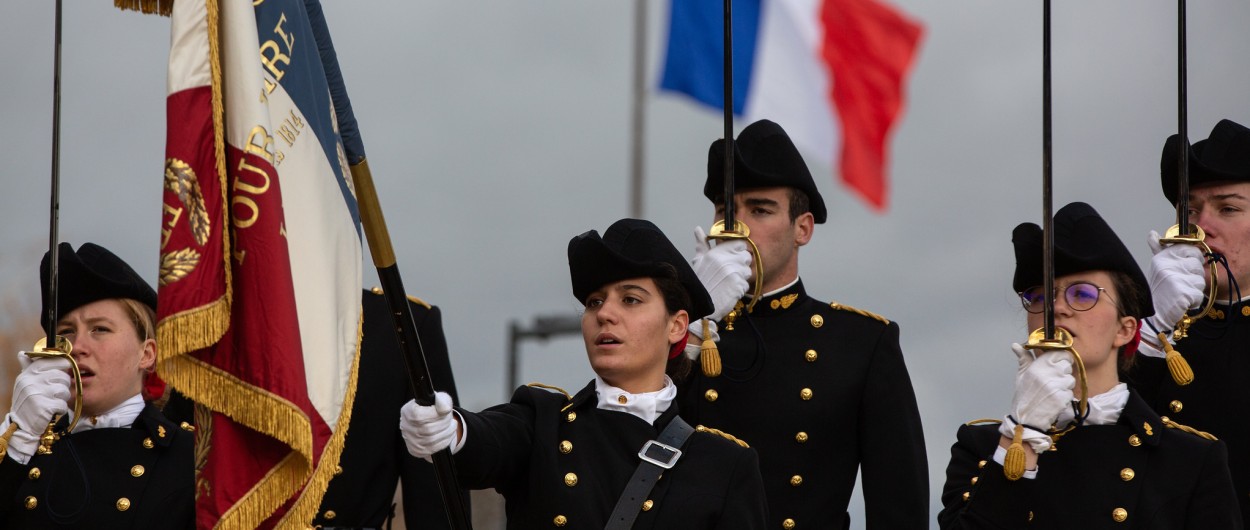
{"points": [[615, 455], [1120, 465], [124, 465]]}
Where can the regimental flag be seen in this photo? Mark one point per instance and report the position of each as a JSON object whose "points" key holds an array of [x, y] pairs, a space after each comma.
{"points": [[259, 291], [801, 63]]}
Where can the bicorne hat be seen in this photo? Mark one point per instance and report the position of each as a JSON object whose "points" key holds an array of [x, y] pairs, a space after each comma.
{"points": [[1222, 157], [89, 275], [632, 248], [764, 157], [1083, 242]]}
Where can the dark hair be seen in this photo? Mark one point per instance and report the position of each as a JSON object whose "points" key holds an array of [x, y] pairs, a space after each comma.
{"points": [[675, 297], [799, 204], [1128, 294]]}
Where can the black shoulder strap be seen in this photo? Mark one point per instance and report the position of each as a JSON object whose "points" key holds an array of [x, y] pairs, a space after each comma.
{"points": [[656, 455]]}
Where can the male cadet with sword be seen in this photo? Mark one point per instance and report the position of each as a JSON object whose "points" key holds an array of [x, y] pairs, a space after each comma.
{"points": [[819, 389], [1213, 394]]}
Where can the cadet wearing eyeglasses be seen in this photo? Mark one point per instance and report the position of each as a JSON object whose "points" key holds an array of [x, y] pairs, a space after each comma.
{"points": [[1082, 450]]}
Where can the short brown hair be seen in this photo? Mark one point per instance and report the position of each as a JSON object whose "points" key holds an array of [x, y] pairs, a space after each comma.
{"points": [[142, 316]]}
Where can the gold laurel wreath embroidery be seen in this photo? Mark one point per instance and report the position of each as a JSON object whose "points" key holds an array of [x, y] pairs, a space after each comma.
{"points": [[203, 435], [177, 265], [180, 179]]}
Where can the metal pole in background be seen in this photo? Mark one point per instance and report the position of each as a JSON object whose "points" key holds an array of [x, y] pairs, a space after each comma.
{"points": [[544, 328], [637, 159]]}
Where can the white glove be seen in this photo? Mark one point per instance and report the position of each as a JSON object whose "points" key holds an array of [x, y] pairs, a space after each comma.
{"points": [[694, 347], [1177, 281], [723, 270], [428, 429], [1043, 393], [41, 390]]}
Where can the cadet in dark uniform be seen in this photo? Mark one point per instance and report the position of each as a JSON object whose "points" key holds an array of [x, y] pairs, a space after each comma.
{"points": [[1216, 346], [572, 461], [374, 457], [124, 465], [819, 389], [1122, 466]]}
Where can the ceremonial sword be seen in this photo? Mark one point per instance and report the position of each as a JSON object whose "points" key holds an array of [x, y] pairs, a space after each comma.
{"points": [[61, 346], [1183, 232]]}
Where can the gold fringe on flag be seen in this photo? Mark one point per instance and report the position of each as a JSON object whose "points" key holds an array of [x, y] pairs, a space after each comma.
{"points": [[147, 7], [306, 507]]}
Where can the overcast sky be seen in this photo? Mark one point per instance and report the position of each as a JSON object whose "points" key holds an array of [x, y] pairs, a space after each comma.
{"points": [[497, 130]]}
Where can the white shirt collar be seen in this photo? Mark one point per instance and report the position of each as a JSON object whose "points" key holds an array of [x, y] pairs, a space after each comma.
{"points": [[778, 290], [648, 405], [120, 416], [1104, 409]]}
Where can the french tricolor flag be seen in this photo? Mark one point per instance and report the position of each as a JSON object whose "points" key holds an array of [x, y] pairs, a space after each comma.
{"points": [[817, 67]]}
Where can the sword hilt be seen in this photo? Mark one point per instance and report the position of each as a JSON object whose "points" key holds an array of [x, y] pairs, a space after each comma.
{"points": [[1196, 237], [741, 232], [63, 349], [1063, 341]]}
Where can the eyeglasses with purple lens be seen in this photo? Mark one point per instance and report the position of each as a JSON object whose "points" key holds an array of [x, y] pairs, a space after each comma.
{"points": [[1080, 296]]}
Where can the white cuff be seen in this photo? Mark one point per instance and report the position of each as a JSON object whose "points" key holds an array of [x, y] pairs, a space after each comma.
{"points": [[1000, 455], [464, 432], [22, 444]]}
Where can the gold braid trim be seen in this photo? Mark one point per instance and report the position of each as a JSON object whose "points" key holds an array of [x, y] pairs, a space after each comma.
{"points": [[861, 312], [567, 396], [4, 439], [147, 7], [984, 421], [1185, 428], [722, 434], [300, 516]]}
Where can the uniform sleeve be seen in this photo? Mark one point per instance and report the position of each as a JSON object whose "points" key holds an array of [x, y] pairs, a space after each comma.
{"points": [[423, 507], [992, 502], [498, 442], [895, 468], [11, 475], [745, 507], [1214, 501]]}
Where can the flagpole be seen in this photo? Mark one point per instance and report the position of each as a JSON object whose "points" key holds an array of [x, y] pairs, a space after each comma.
{"points": [[638, 117], [406, 330], [383, 254]]}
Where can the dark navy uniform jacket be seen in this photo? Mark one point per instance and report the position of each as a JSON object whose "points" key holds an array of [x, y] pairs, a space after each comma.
{"points": [[1135, 474], [374, 455], [1218, 399], [821, 391], [142, 477], [562, 462]]}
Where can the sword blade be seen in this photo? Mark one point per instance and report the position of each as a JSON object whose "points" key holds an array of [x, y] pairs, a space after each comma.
{"points": [[730, 202], [54, 207], [1182, 128]]}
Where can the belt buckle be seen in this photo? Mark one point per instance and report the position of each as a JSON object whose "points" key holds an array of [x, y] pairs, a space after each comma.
{"points": [[670, 458]]}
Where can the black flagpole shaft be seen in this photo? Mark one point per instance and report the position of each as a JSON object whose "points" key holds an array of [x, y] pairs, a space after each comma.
{"points": [[54, 208], [1048, 223], [1182, 128], [406, 331], [730, 201]]}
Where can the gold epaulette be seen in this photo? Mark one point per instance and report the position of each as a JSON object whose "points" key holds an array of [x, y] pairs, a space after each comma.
{"points": [[722, 434], [413, 299], [857, 311], [567, 396], [1185, 428], [984, 421]]}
